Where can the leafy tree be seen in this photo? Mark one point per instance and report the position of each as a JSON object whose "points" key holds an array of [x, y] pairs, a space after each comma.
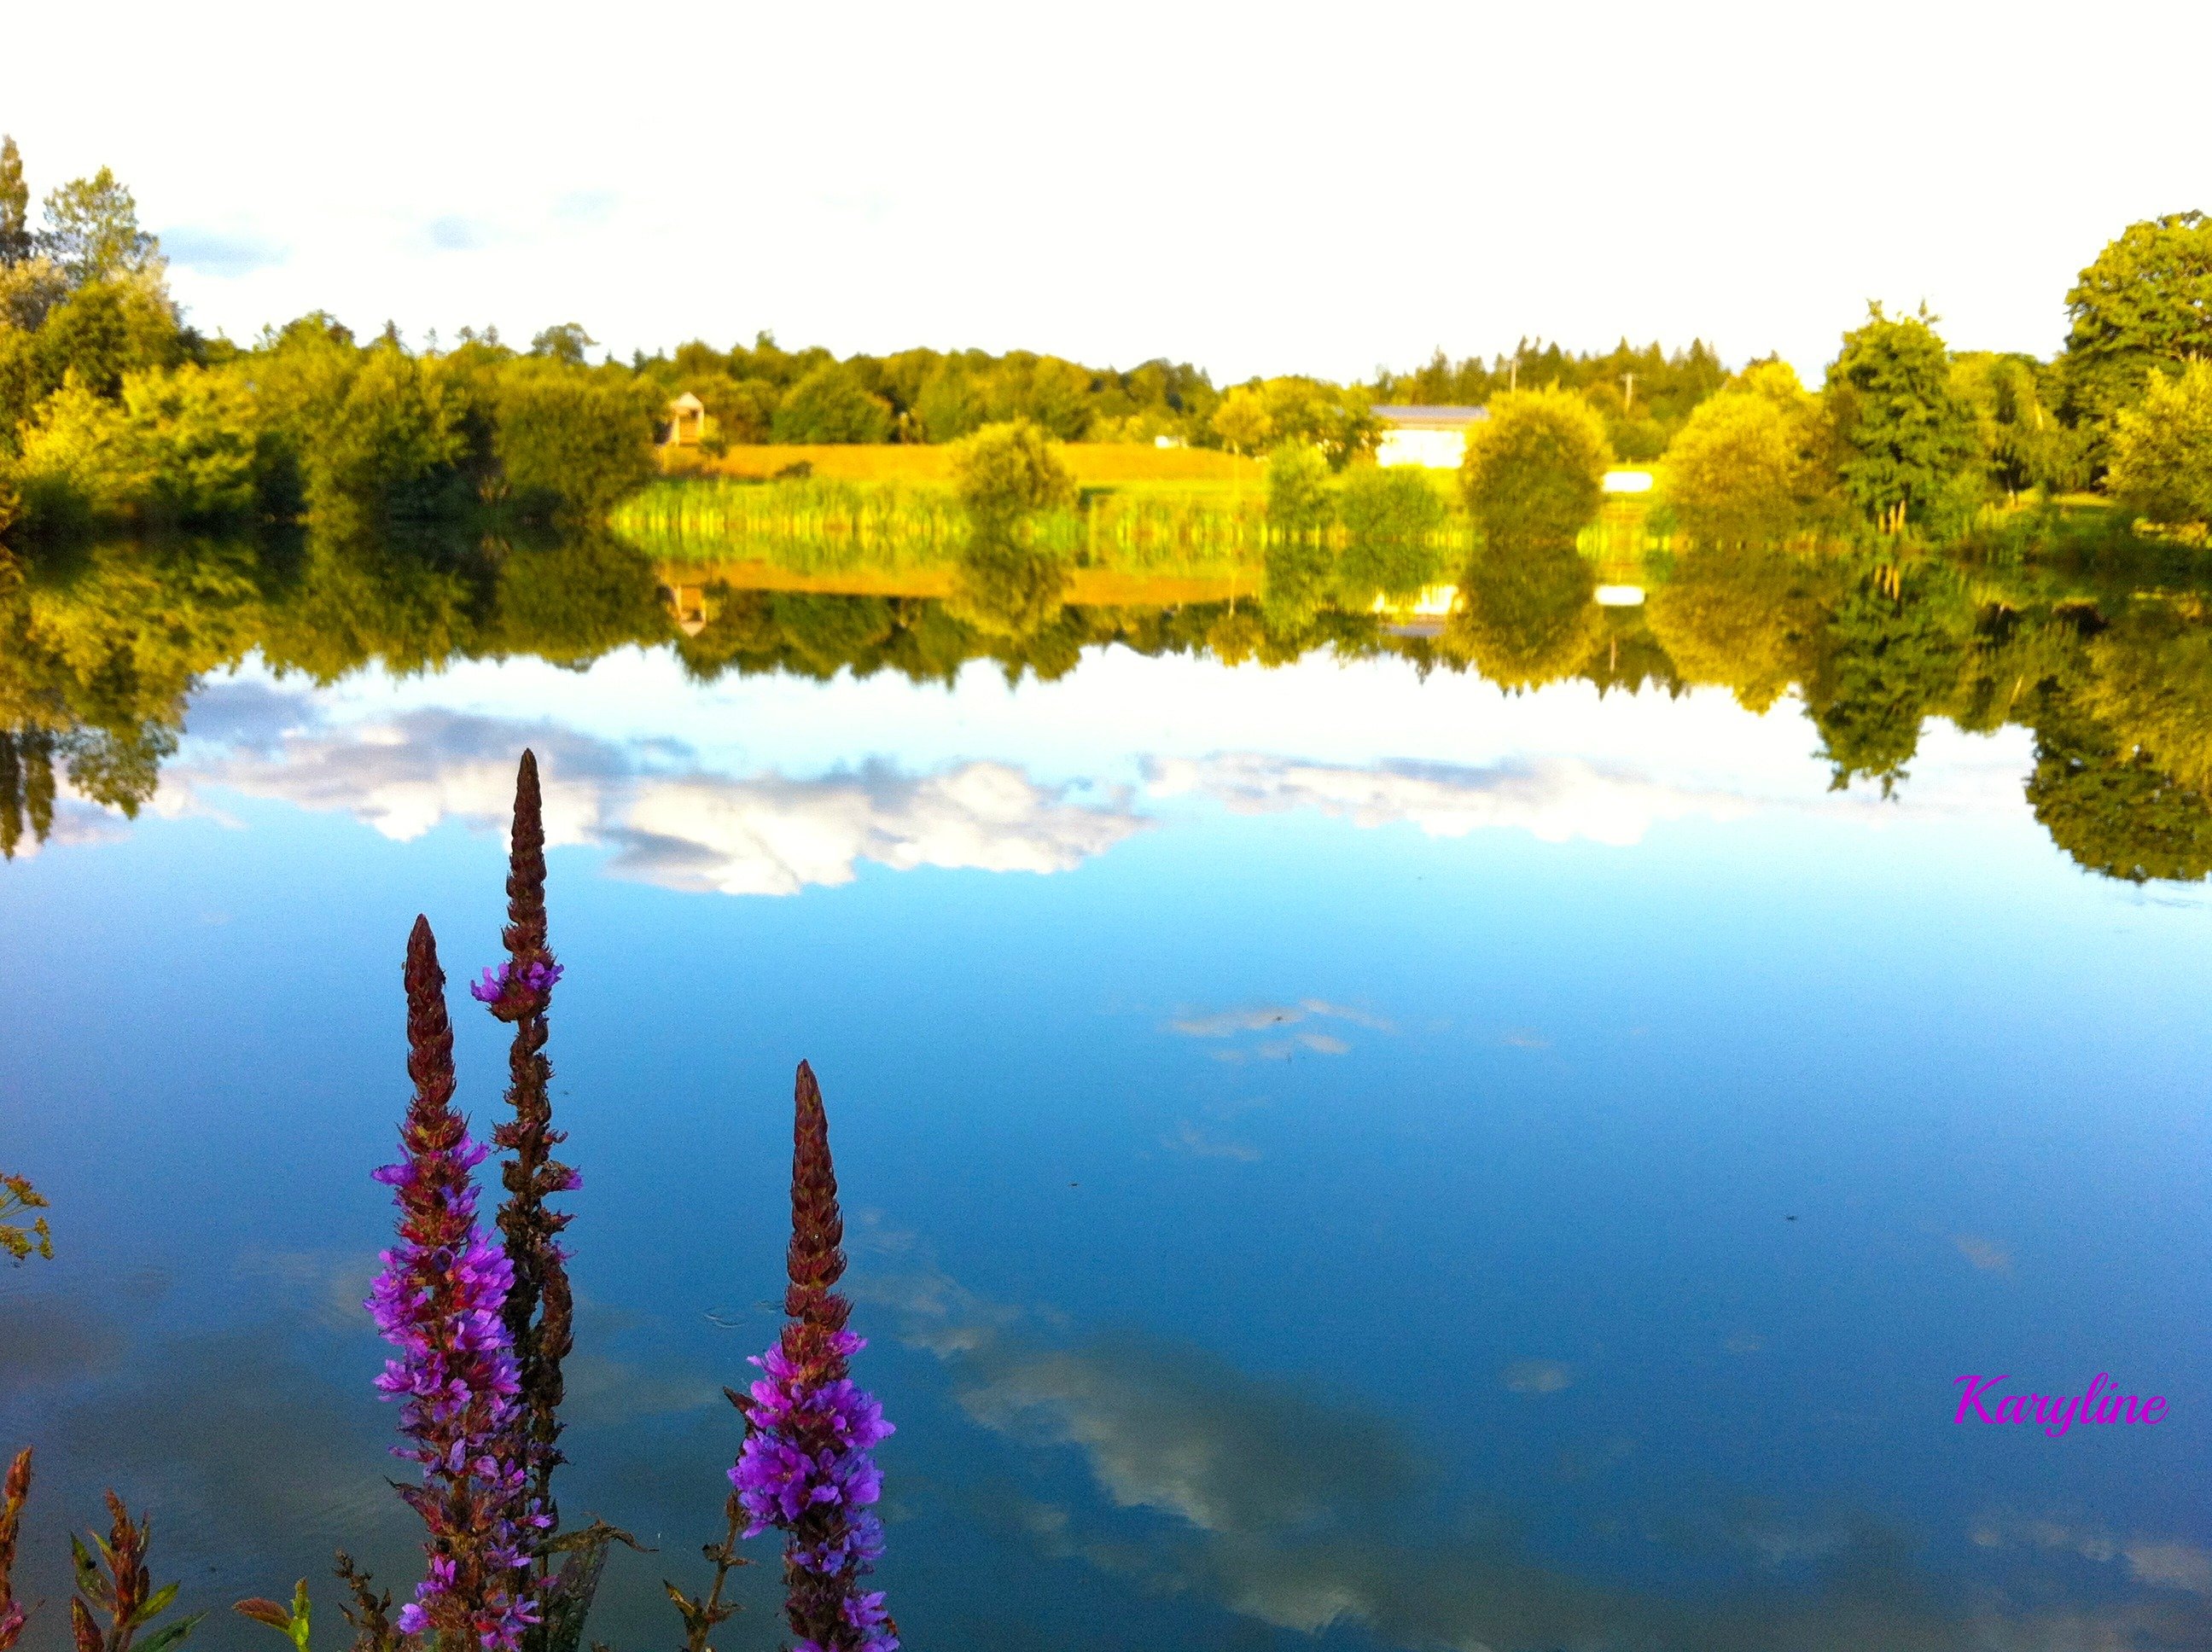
{"points": [[2023, 442], [1738, 473], [566, 342], [571, 442], [1242, 421], [831, 405], [2144, 302], [15, 244], [180, 447], [1299, 502], [1907, 436], [2161, 449], [1005, 471], [390, 448], [92, 231], [103, 331], [1390, 515], [1535, 470]]}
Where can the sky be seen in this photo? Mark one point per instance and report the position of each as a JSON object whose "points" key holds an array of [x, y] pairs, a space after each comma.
{"points": [[1256, 189]]}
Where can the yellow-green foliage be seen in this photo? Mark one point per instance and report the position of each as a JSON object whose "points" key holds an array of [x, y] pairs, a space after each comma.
{"points": [[1737, 471], [1524, 616], [1535, 469], [579, 438], [2162, 449], [2153, 684], [179, 446], [1010, 469]]}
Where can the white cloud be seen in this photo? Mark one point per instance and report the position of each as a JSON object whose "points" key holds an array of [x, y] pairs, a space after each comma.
{"points": [[761, 834]]}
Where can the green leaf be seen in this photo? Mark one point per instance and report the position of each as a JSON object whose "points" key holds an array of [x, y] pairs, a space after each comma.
{"points": [[161, 1639], [298, 1628], [157, 1603]]}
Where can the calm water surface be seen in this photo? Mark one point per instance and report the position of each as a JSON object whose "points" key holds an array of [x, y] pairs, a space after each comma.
{"points": [[1339, 1154]]}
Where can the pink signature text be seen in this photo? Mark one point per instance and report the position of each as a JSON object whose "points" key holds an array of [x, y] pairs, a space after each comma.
{"points": [[2054, 1413]]}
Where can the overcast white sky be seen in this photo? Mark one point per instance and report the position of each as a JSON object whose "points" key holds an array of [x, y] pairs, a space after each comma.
{"points": [[1255, 188]]}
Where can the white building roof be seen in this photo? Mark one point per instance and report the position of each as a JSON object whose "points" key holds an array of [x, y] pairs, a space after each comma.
{"points": [[1405, 416]]}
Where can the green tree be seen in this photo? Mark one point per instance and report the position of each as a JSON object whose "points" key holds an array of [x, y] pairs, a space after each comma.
{"points": [[1005, 471], [103, 331], [392, 446], [565, 341], [2161, 449], [15, 244], [1298, 501], [1738, 473], [2144, 302], [92, 231], [570, 442], [1535, 469], [1907, 436], [1390, 515], [831, 405], [2024, 443]]}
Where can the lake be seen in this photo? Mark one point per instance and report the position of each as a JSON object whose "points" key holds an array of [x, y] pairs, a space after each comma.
{"points": [[1475, 1118]]}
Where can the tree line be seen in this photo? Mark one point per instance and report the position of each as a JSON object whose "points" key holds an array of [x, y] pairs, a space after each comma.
{"points": [[113, 408]]}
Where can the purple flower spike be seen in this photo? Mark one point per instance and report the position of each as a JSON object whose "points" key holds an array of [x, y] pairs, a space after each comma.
{"points": [[807, 1465], [438, 1301]]}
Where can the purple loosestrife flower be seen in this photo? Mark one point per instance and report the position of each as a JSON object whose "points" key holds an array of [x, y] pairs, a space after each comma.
{"points": [[807, 1467], [540, 1308], [507, 986], [440, 1301]]}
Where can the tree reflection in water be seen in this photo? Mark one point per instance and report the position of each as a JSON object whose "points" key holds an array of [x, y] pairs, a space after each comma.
{"points": [[101, 648]]}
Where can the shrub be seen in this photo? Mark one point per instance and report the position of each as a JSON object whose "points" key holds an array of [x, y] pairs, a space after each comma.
{"points": [[1535, 470], [1734, 473], [2162, 449], [1298, 500], [1006, 471], [1389, 502]]}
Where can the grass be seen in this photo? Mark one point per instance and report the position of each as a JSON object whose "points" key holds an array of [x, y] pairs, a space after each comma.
{"points": [[1093, 464]]}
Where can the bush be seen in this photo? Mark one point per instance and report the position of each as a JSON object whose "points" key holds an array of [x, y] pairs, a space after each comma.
{"points": [[1734, 473], [179, 446], [1393, 503], [572, 441], [1008, 471], [1299, 499], [2161, 465], [1535, 470]]}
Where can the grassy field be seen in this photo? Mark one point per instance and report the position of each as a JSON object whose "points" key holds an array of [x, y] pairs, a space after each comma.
{"points": [[1093, 464]]}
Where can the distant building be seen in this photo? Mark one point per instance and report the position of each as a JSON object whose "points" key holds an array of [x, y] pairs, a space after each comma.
{"points": [[686, 421], [1435, 436]]}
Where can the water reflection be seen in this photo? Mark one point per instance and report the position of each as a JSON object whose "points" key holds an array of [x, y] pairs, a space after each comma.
{"points": [[102, 652]]}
